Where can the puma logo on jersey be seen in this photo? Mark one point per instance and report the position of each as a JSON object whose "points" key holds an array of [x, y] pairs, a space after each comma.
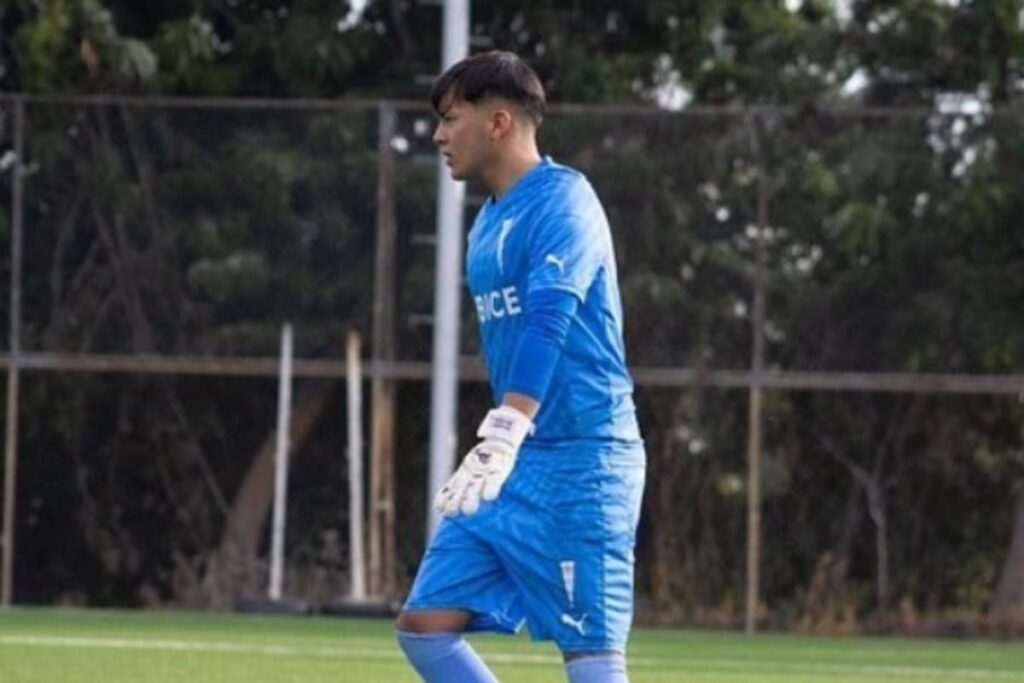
{"points": [[557, 262], [497, 303], [576, 624], [506, 228]]}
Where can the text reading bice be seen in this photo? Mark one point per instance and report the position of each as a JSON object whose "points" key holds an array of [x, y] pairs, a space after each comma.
{"points": [[497, 303]]}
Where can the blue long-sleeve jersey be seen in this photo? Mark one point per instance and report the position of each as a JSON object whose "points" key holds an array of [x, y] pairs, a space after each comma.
{"points": [[549, 232]]}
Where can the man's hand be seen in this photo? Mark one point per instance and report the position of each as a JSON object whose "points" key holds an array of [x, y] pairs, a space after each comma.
{"points": [[486, 467]]}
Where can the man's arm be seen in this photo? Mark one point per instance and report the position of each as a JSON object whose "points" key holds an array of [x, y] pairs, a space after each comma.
{"points": [[565, 256], [486, 467]]}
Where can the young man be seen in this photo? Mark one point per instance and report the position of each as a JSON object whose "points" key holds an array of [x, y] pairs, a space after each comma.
{"points": [[540, 517]]}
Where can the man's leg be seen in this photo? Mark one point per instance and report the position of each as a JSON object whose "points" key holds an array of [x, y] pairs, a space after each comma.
{"points": [[571, 555], [596, 667], [433, 643]]}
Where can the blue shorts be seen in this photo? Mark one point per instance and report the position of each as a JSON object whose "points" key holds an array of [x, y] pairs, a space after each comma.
{"points": [[553, 551]]}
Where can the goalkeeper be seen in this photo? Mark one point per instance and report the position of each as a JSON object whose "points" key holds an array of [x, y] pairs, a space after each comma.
{"points": [[540, 518]]}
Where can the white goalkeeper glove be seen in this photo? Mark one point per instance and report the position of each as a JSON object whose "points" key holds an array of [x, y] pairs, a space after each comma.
{"points": [[486, 467]]}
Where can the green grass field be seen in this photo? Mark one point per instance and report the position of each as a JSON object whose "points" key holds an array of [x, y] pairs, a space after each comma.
{"points": [[56, 646]]}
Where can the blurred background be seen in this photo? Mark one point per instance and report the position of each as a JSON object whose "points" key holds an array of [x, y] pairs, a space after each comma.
{"points": [[817, 211]]}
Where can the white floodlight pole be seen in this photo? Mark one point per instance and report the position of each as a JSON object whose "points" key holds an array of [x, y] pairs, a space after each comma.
{"points": [[447, 292]]}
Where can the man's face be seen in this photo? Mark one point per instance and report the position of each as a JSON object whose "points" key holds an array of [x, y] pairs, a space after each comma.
{"points": [[463, 138]]}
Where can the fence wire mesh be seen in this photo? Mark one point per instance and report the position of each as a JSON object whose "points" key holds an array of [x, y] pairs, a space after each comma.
{"points": [[197, 230]]}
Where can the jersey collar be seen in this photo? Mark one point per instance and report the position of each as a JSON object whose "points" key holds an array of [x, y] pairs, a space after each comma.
{"points": [[524, 181]]}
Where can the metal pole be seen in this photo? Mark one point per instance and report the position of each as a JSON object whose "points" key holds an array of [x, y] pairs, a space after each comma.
{"points": [[471, 370], [11, 430], [356, 553], [381, 530], [753, 509], [447, 299], [284, 401], [755, 416]]}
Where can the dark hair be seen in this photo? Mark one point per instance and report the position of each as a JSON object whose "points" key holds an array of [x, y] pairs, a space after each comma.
{"points": [[492, 74]]}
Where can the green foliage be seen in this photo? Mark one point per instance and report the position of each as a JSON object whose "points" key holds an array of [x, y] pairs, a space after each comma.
{"points": [[303, 55], [75, 45], [187, 51], [862, 228]]}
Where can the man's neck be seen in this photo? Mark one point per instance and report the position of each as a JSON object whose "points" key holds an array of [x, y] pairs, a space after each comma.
{"points": [[512, 168]]}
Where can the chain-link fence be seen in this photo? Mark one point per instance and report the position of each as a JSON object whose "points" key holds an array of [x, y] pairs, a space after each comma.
{"points": [[855, 276]]}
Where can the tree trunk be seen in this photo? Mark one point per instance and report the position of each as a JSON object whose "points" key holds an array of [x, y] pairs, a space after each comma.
{"points": [[825, 590], [233, 568], [665, 544], [1008, 602], [666, 472], [876, 510], [841, 566]]}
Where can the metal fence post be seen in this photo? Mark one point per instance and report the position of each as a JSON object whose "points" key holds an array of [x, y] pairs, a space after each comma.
{"points": [[11, 431], [755, 439], [356, 548], [284, 402], [382, 543]]}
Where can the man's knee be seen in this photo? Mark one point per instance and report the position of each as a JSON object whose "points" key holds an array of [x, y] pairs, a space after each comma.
{"points": [[433, 621]]}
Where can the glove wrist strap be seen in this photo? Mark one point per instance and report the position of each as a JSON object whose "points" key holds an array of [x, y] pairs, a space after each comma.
{"points": [[506, 424]]}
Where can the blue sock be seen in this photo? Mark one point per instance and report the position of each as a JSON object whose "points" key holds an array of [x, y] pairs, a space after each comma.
{"points": [[608, 667], [444, 658]]}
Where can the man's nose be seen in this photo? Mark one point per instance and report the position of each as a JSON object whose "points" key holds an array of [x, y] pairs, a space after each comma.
{"points": [[439, 138]]}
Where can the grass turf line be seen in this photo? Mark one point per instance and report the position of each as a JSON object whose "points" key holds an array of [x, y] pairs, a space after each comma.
{"points": [[79, 646]]}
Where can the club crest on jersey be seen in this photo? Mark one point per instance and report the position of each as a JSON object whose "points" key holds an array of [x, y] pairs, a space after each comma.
{"points": [[506, 228], [497, 303], [568, 568]]}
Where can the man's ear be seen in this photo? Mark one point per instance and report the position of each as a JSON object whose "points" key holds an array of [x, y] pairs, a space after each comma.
{"points": [[501, 122]]}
